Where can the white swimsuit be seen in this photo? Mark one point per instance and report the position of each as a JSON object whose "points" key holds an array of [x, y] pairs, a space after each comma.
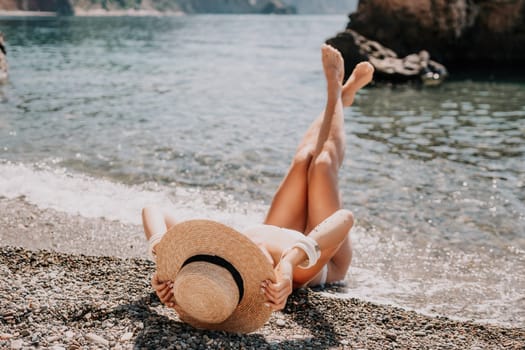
{"points": [[260, 233]]}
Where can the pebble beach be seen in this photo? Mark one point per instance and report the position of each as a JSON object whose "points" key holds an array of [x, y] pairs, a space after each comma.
{"points": [[93, 292]]}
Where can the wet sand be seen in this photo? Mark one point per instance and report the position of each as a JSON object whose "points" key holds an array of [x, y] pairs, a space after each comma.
{"points": [[68, 282]]}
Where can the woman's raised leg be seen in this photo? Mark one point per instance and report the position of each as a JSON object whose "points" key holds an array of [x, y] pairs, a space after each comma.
{"points": [[324, 198], [289, 206]]}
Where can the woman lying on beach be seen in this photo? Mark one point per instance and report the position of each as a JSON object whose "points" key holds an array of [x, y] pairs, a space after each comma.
{"points": [[307, 205]]}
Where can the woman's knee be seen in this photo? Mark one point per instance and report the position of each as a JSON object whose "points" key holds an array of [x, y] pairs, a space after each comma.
{"points": [[347, 219], [324, 164], [303, 157]]}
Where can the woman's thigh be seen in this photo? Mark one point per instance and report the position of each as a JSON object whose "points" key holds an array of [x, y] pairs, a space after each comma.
{"points": [[289, 206]]}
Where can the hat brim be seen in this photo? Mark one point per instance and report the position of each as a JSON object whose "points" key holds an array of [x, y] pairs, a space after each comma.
{"points": [[196, 237]]}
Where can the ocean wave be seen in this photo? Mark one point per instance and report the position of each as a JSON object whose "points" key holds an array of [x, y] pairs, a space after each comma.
{"points": [[78, 194]]}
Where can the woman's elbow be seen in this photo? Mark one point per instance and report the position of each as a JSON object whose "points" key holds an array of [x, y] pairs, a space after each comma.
{"points": [[346, 219]]}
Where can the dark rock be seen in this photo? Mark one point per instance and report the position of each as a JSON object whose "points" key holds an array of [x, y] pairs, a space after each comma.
{"points": [[415, 67], [278, 8], [61, 7], [2, 44], [3, 60], [461, 34]]}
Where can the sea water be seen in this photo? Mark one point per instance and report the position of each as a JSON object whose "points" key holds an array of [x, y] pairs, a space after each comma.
{"points": [[102, 116]]}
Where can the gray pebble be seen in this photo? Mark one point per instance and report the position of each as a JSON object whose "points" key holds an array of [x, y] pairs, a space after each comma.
{"points": [[92, 337], [53, 338], [391, 335], [69, 334], [17, 344], [126, 336], [57, 347]]}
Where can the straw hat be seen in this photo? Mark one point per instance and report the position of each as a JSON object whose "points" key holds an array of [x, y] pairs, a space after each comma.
{"points": [[217, 274]]}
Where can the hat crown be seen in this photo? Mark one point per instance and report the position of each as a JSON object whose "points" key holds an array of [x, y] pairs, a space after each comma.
{"points": [[206, 291], [189, 241]]}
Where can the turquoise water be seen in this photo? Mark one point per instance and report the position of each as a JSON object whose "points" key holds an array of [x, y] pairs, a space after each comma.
{"points": [[217, 104]]}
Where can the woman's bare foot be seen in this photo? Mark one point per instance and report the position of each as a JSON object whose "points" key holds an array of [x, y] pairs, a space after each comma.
{"points": [[361, 75], [334, 70]]}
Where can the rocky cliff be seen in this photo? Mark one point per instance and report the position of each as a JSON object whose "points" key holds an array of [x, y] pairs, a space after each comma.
{"points": [[234, 6], [68, 7], [461, 34], [59, 6], [3, 60]]}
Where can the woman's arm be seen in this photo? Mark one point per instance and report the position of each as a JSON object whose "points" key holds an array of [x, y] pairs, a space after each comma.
{"points": [[329, 235], [278, 292]]}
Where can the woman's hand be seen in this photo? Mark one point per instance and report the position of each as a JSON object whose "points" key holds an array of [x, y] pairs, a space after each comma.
{"points": [[164, 290], [278, 292]]}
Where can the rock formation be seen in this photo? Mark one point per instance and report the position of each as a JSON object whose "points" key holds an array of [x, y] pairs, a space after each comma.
{"points": [[416, 67], [462, 34], [67, 7], [3, 60], [62, 7], [279, 8]]}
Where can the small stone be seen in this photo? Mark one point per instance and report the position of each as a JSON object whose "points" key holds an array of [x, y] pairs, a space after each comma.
{"points": [[17, 344], [280, 323], [57, 347], [53, 338], [420, 334], [69, 334], [35, 338], [96, 339], [391, 336], [5, 336], [126, 336]]}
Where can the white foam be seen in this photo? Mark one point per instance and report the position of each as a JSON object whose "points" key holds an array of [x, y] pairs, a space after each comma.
{"points": [[99, 198], [461, 285]]}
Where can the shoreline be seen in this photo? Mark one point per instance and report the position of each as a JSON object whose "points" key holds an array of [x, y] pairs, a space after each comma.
{"points": [[68, 284], [94, 13], [19, 13], [25, 225]]}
